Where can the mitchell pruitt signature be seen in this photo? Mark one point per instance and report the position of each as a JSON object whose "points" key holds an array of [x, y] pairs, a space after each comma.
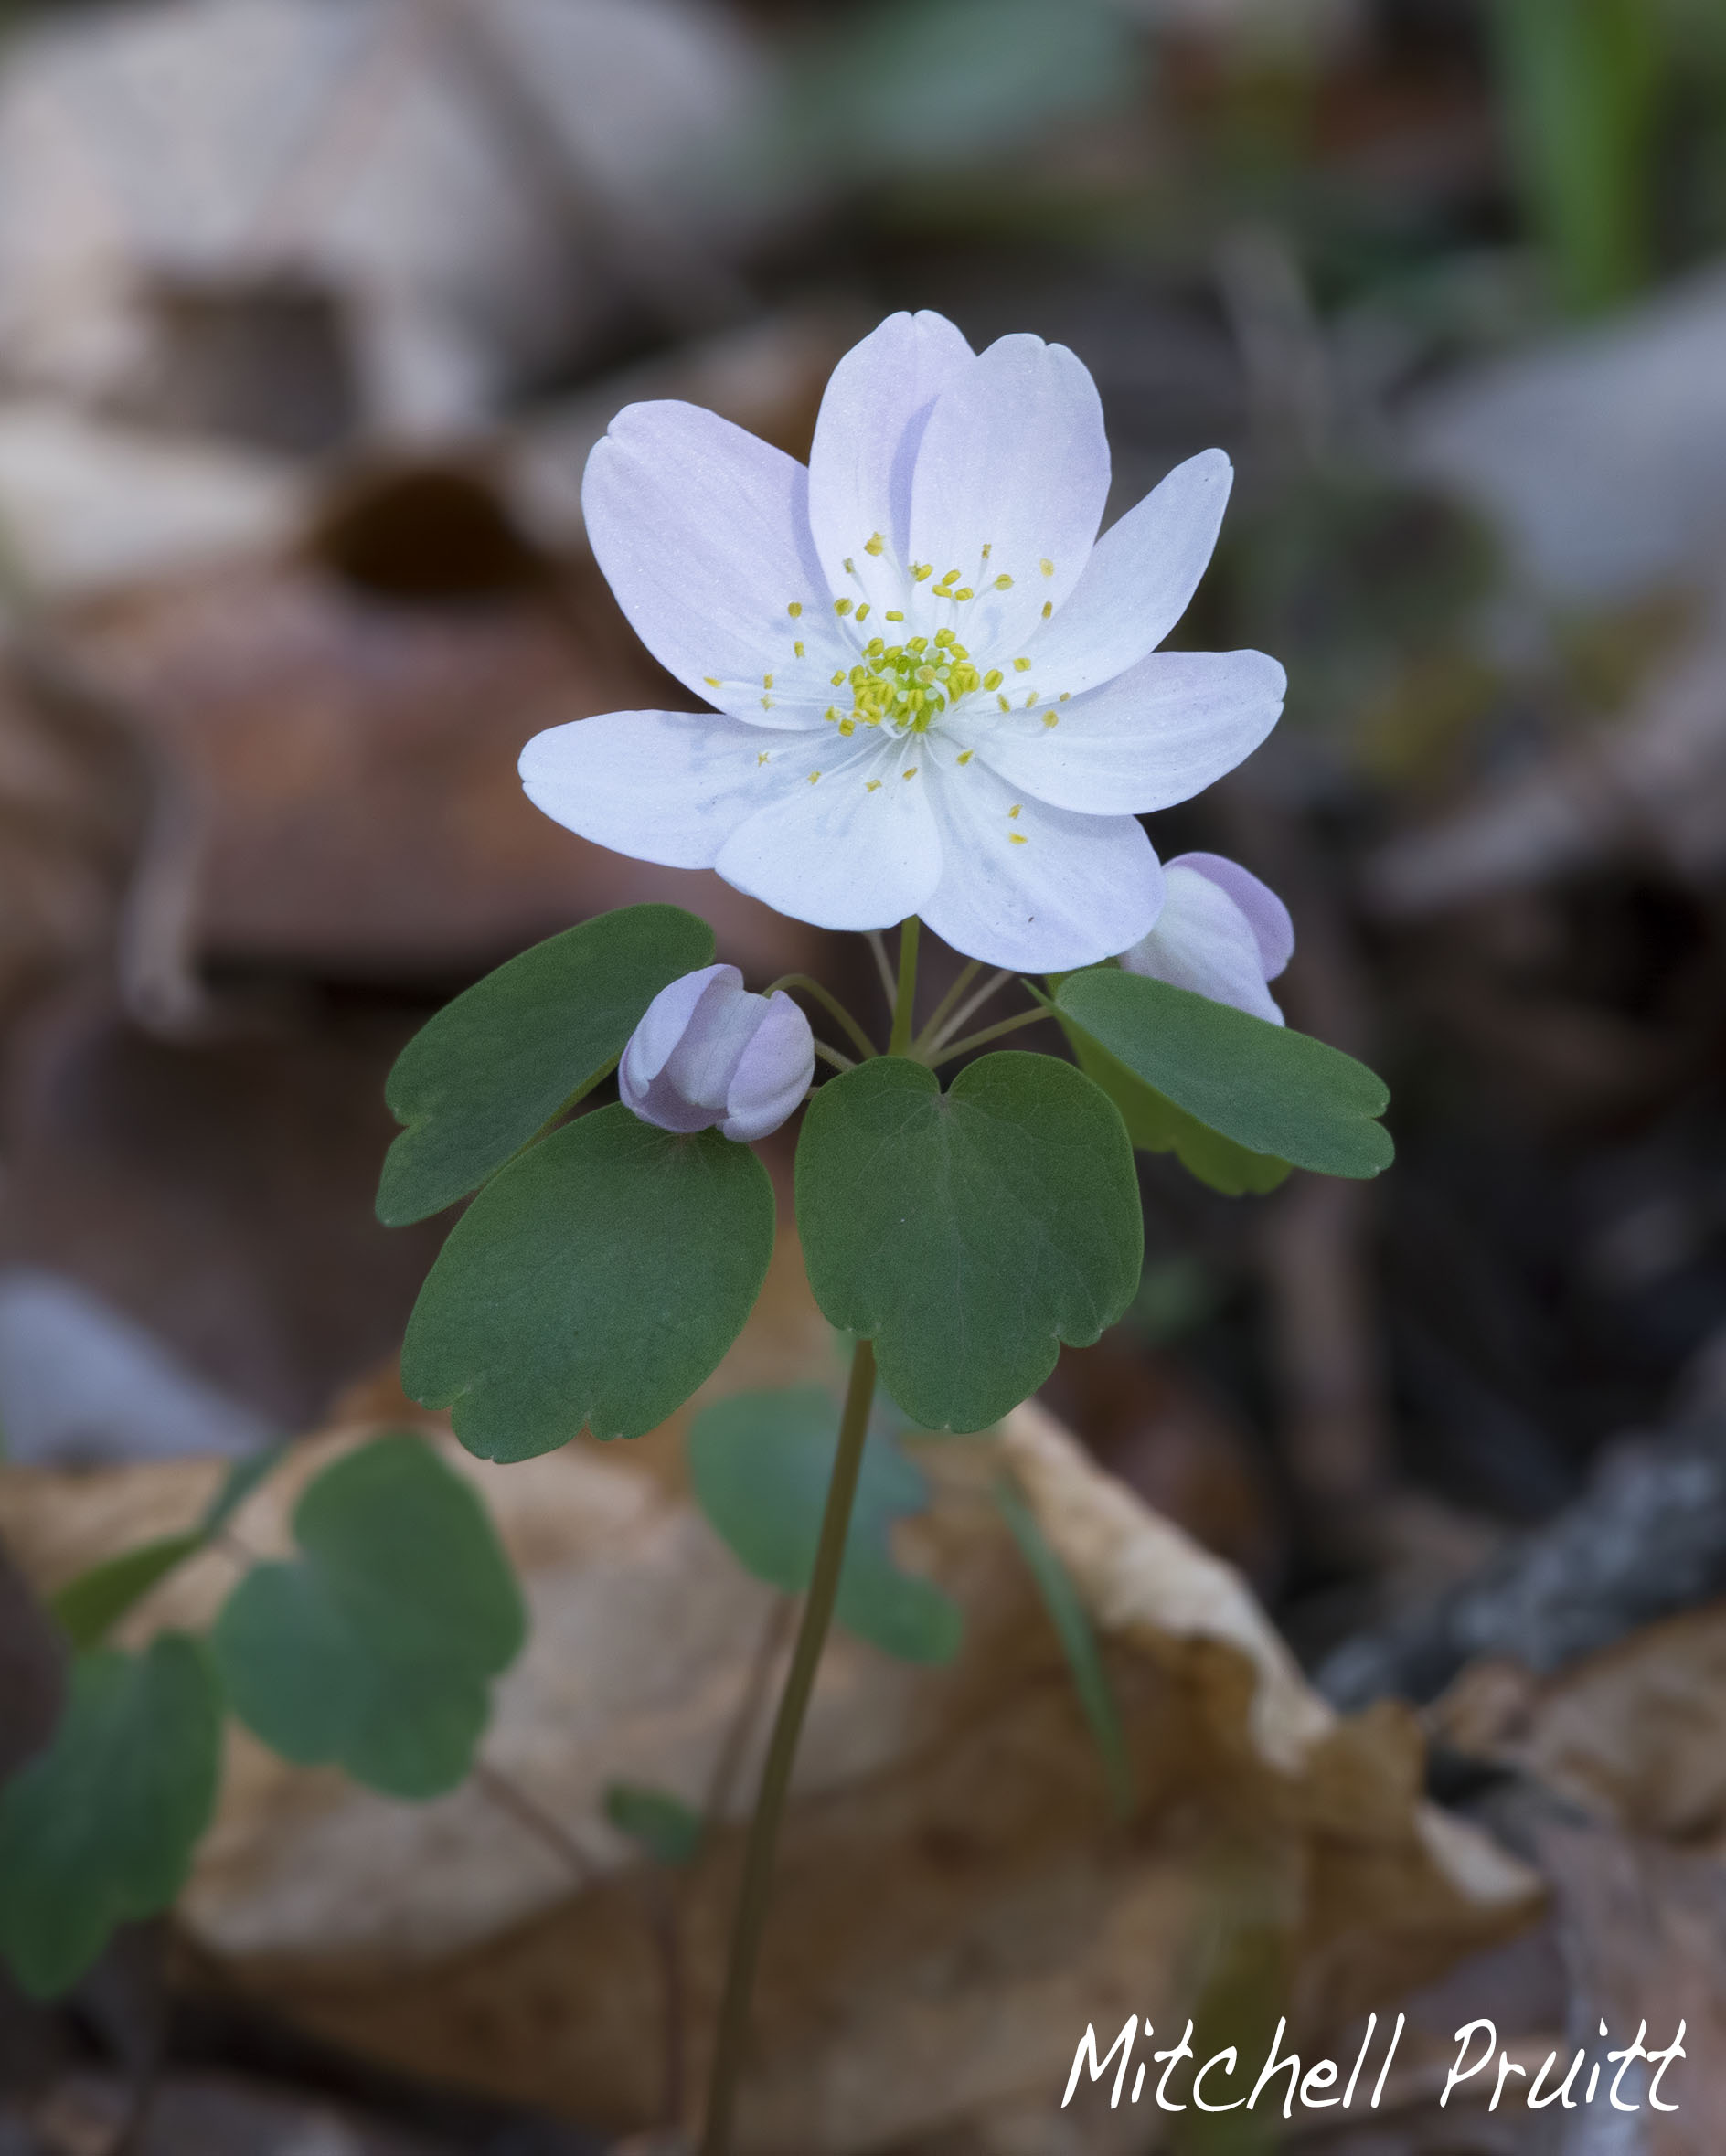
{"points": [[1222, 2068]]}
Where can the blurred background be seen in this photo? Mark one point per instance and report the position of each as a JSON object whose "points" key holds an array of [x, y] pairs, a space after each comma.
{"points": [[310, 311]]}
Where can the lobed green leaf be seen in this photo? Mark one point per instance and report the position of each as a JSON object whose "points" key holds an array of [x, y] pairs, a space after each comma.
{"points": [[595, 1284], [99, 1829], [760, 1464], [1155, 1124], [968, 1234], [477, 1082], [1266, 1088], [374, 1647]]}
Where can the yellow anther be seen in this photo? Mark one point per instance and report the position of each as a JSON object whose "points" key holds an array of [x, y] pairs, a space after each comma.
{"points": [[812, 776], [838, 681], [874, 786], [1017, 806], [922, 570], [1065, 696], [944, 637], [1004, 582], [966, 755], [1047, 566], [767, 703], [848, 726], [874, 544], [767, 680], [875, 646], [1021, 665], [1048, 607], [952, 577], [988, 548], [1052, 719], [917, 643], [763, 758], [841, 606], [1016, 838], [850, 566], [1030, 701], [1003, 703], [794, 609], [965, 591], [895, 617], [863, 609], [992, 679], [712, 680], [910, 774]]}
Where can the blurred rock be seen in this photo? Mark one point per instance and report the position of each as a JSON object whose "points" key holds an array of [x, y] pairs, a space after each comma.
{"points": [[1600, 456], [954, 1901], [80, 1386], [470, 193]]}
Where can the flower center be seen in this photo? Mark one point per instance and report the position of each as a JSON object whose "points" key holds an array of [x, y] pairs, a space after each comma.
{"points": [[907, 686]]}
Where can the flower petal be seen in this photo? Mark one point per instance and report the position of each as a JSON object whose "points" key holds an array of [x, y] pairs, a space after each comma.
{"points": [[644, 1083], [1271, 926], [1156, 736], [872, 420], [666, 786], [775, 1073], [1031, 886], [1137, 585], [1204, 941], [703, 534], [1014, 459], [853, 845]]}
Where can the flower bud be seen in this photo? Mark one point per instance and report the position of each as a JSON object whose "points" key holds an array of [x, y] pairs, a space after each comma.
{"points": [[707, 1051], [1221, 933]]}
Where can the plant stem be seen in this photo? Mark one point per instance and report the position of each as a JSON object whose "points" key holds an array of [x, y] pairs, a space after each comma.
{"points": [[990, 1032], [781, 1751], [830, 1003], [833, 1055], [876, 944], [932, 1042], [905, 995], [937, 1017]]}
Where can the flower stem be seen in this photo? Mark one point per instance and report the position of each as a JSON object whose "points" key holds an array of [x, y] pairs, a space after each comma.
{"points": [[938, 1016], [831, 1004], [873, 938], [932, 1042], [906, 994], [990, 1032], [781, 1751]]}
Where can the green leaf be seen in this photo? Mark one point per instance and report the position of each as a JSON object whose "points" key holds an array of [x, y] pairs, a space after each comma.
{"points": [[665, 1826], [478, 1081], [376, 1646], [86, 1607], [1266, 1088], [761, 1463], [597, 1281], [968, 1234], [1071, 1621], [1155, 1124], [99, 1829], [238, 1484]]}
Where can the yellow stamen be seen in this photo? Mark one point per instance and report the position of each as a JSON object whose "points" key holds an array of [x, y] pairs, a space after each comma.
{"points": [[1048, 607], [767, 680], [841, 606], [874, 786], [712, 680], [863, 609], [1066, 696], [1021, 665], [922, 570], [767, 703], [850, 566], [794, 609], [992, 679], [874, 544], [965, 591], [966, 755], [1017, 806], [1004, 583], [910, 774], [893, 617], [812, 776], [763, 758], [1050, 719], [1047, 567], [1003, 703], [1016, 838]]}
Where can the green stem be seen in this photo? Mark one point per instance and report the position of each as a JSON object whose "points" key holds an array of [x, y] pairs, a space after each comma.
{"points": [[781, 1751], [937, 1017], [830, 1003], [931, 1042], [990, 1032], [906, 994]]}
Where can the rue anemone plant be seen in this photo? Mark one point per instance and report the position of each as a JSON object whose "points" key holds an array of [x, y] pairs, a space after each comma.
{"points": [[936, 697]]}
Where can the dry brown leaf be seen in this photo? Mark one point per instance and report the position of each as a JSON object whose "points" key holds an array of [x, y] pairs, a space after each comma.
{"points": [[954, 1900]]}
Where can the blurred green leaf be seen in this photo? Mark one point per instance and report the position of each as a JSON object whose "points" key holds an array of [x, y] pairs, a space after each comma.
{"points": [[760, 1464], [1072, 1627], [968, 1234], [478, 1081], [594, 1283], [238, 1484], [1581, 81], [1155, 1124], [99, 1829], [665, 1826], [376, 1646], [86, 1607], [1265, 1087]]}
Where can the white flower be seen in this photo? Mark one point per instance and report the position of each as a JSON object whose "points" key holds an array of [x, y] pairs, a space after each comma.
{"points": [[1221, 933], [938, 692], [707, 1051]]}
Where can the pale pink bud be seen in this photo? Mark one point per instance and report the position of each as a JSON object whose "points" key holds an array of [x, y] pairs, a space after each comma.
{"points": [[1221, 933], [707, 1051]]}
